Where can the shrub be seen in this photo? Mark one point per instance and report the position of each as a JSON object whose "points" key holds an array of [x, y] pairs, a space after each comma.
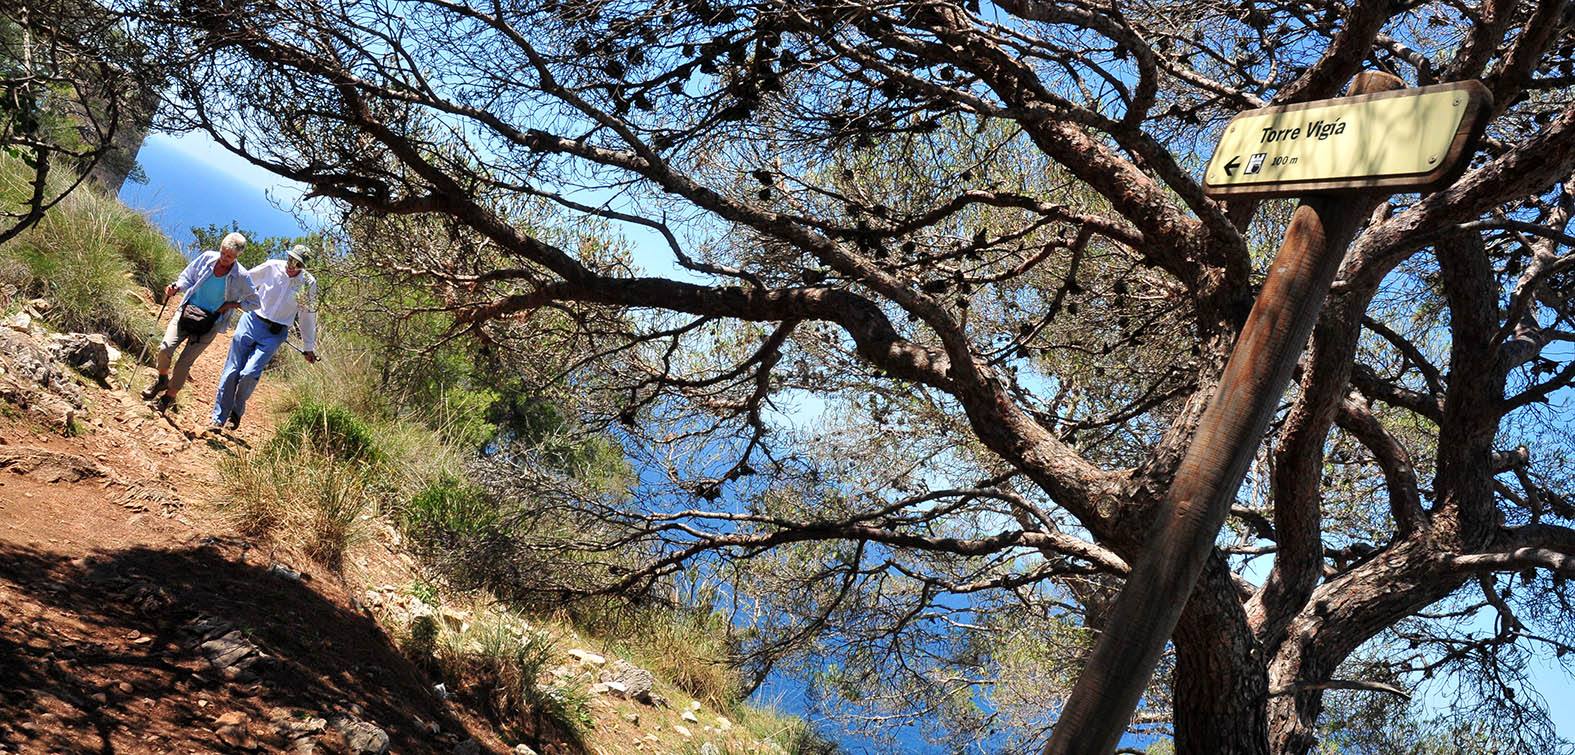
{"points": [[329, 428], [451, 507], [462, 416], [313, 501], [538, 429], [460, 533]]}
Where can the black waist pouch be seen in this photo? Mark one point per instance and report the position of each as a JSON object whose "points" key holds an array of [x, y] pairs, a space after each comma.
{"points": [[274, 328], [196, 321]]}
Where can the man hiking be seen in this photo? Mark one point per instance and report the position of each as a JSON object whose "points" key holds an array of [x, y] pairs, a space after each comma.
{"points": [[215, 286], [287, 296]]}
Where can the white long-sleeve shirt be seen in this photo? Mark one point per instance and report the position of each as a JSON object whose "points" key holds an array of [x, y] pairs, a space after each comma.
{"points": [[287, 299]]}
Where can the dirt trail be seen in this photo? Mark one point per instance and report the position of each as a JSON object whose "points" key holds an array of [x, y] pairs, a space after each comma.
{"points": [[130, 622]]}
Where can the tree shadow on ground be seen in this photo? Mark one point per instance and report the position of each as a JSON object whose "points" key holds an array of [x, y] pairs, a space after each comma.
{"points": [[106, 654]]}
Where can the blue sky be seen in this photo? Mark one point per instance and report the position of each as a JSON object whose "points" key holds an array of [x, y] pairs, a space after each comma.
{"points": [[194, 182]]}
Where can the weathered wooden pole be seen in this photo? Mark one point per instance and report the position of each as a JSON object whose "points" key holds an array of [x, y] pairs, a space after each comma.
{"points": [[1206, 482]]}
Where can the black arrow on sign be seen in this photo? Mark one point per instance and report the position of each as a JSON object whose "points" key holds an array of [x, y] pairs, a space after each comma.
{"points": [[1230, 167]]}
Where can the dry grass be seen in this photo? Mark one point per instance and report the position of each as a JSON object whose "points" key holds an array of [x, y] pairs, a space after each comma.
{"points": [[689, 649], [87, 256], [310, 500], [502, 667]]}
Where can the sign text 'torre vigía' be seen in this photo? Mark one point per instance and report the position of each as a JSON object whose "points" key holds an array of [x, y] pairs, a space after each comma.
{"points": [[1404, 139]]}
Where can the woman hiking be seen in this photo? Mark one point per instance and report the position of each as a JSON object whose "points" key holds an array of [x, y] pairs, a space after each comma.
{"points": [[215, 285]]}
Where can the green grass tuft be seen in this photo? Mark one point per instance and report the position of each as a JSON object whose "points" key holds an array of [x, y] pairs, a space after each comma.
{"points": [[88, 256]]}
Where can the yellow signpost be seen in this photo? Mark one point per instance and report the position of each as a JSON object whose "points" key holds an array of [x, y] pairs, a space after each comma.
{"points": [[1398, 140]]}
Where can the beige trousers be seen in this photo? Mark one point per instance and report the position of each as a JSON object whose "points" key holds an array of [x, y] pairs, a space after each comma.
{"points": [[188, 355]]}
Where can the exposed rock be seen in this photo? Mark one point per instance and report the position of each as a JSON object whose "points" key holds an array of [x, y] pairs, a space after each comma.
{"points": [[683, 731], [50, 466], [723, 725], [709, 749], [637, 682], [523, 749], [207, 627], [232, 655], [304, 728], [420, 610], [283, 571], [20, 322], [236, 736], [362, 737], [586, 657], [690, 716], [456, 619], [32, 379], [87, 353], [232, 730]]}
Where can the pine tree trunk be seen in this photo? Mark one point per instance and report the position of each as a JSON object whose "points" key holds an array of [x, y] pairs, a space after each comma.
{"points": [[1220, 684]]}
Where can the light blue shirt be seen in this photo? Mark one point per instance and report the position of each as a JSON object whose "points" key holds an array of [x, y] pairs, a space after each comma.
{"points": [[209, 294], [237, 285]]}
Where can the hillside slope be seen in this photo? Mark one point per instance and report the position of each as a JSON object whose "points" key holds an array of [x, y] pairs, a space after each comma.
{"points": [[134, 620], [130, 621]]}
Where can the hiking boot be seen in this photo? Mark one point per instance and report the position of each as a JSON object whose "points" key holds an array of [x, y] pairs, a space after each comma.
{"points": [[164, 403], [157, 387], [235, 421]]}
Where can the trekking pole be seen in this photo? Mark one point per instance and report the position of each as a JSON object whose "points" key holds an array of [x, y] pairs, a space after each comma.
{"points": [[156, 320]]}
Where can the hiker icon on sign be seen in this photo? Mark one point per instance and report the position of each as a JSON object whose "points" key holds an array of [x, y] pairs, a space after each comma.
{"points": [[1255, 163]]}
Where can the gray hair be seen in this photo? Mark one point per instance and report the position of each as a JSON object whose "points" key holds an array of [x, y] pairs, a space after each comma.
{"points": [[233, 241]]}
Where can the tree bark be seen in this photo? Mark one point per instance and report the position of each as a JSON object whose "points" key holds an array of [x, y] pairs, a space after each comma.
{"points": [[1221, 682]]}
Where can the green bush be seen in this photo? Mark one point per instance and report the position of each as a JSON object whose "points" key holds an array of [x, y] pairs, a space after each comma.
{"points": [[450, 507], [463, 416], [541, 429], [330, 428]]}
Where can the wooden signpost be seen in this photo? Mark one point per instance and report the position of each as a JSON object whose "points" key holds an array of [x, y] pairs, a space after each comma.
{"points": [[1343, 156]]}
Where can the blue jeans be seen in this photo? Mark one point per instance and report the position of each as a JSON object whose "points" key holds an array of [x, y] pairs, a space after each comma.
{"points": [[250, 351]]}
